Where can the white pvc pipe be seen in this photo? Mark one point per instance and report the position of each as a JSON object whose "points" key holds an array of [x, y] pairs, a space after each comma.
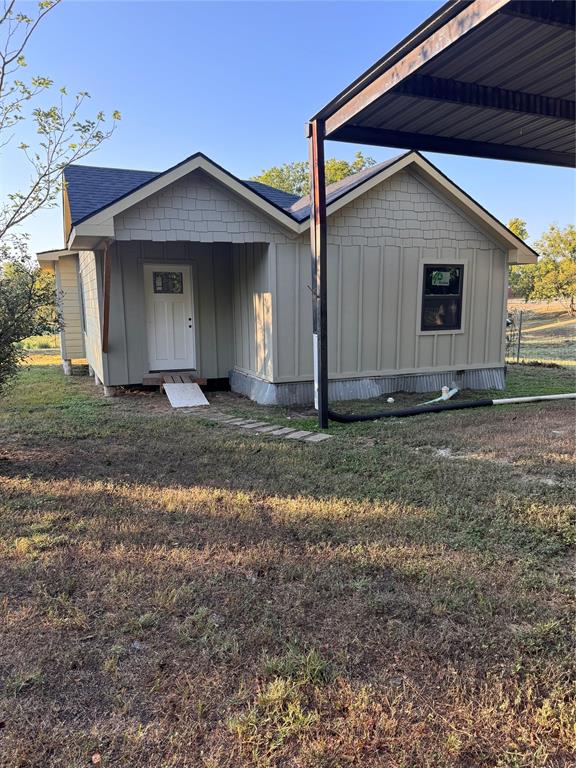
{"points": [[506, 400]]}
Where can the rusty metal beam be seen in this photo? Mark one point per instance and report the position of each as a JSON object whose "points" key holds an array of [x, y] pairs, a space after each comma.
{"points": [[477, 95], [452, 146], [106, 302], [319, 247], [470, 17]]}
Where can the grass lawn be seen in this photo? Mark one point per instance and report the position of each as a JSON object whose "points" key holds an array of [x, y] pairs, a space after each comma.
{"points": [[178, 594], [548, 333]]}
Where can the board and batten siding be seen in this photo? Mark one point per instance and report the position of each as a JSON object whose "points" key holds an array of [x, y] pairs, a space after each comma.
{"points": [[89, 263], [253, 328], [378, 245], [68, 287], [211, 272]]}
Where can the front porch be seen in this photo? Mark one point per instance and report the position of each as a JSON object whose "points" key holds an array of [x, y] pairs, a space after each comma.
{"points": [[200, 310]]}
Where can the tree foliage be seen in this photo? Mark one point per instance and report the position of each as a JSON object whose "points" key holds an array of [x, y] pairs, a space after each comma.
{"points": [[553, 277], [63, 134], [556, 273], [60, 134], [518, 226], [27, 305], [295, 178]]}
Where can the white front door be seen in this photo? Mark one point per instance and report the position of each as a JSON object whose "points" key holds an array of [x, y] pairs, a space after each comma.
{"points": [[169, 317]]}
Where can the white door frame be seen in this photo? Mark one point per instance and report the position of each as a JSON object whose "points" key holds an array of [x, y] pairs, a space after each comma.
{"points": [[154, 361]]}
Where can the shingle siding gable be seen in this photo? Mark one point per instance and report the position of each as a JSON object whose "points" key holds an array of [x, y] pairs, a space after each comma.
{"points": [[197, 209]]}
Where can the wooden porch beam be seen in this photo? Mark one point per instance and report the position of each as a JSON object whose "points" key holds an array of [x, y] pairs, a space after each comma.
{"points": [[472, 15], [485, 96], [452, 146], [106, 301]]}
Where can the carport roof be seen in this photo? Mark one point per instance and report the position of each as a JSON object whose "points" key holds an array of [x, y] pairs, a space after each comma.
{"points": [[484, 78]]}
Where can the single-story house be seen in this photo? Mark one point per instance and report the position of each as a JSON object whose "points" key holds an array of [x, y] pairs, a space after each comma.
{"points": [[195, 270]]}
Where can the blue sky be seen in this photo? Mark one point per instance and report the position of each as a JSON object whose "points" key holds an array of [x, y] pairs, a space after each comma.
{"points": [[237, 80]]}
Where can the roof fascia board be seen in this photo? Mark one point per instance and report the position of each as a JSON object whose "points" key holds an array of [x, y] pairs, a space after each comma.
{"points": [[421, 53], [101, 223], [55, 254]]}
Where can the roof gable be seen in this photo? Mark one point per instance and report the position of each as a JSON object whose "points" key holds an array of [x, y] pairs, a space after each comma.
{"points": [[96, 195]]}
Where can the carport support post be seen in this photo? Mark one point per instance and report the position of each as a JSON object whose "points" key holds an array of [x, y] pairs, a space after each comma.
{"points": [[318, 244]]}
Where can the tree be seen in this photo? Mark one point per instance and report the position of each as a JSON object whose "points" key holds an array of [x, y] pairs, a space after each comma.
{"points": [[556, 269], [294, 177], [27, 306], [521, 277], [518, 226], [61, 135], [553, 277]]}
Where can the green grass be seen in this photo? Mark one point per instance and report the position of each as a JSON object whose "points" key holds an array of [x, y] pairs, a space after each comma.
{"points": [[48, 341], [176, 592]]}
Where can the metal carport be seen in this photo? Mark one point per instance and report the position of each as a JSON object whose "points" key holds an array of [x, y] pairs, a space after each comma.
{"points": [[483, 78]]}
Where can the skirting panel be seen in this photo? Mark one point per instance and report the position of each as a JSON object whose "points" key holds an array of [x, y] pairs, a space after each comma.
{"points": [[302, 392]]}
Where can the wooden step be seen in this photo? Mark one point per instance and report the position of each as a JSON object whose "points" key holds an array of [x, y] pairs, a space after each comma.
{"points": [[172, 377]]}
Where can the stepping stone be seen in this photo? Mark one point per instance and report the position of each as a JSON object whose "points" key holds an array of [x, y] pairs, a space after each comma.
{"points": [[238, 422], [298, 435], [254, 425], [283, 431], [317, 437], [268, 428]]}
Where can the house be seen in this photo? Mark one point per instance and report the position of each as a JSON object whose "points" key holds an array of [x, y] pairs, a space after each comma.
{"points": [[195, 270]]}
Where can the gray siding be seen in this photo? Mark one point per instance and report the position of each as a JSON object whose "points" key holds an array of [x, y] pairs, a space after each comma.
{"points": [[90, 272], [253, 341], [212, 297], [378, 245], [72, 333], [199, 209], [251, 296]]}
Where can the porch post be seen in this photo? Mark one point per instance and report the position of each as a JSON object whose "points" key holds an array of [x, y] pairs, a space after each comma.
{"points": [[318, 244], [106, 302]]}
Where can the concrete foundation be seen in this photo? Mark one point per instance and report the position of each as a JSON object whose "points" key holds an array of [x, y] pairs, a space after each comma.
{"points": [[302, 392], [110, 391], [67, 367]]}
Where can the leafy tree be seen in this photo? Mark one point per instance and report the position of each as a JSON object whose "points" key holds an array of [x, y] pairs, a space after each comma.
{"points": [[521, 276], [556, 273], [62, 135], [518, 226], [294, 177], [27, 305], [554, 276]]}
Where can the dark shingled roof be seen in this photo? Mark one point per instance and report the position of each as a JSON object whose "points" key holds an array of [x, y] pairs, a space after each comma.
{"points": [[91, 188], [277, 196]]}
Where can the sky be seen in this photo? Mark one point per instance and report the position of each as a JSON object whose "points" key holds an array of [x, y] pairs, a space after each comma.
{"points": [[237, 81]]}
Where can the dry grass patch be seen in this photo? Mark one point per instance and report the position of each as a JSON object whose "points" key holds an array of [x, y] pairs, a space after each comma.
{"points": [[176, 594]]}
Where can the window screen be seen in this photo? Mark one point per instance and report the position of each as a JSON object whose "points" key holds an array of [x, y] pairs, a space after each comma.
{"points": [[442, 297], [167, 282]]}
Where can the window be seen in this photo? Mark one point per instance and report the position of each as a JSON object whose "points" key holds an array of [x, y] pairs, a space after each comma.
{"points": [[167, 282], [442, 297]]}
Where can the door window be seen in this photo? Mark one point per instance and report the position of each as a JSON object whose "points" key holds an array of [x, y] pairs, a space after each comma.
{"points": [[167, 282]]}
